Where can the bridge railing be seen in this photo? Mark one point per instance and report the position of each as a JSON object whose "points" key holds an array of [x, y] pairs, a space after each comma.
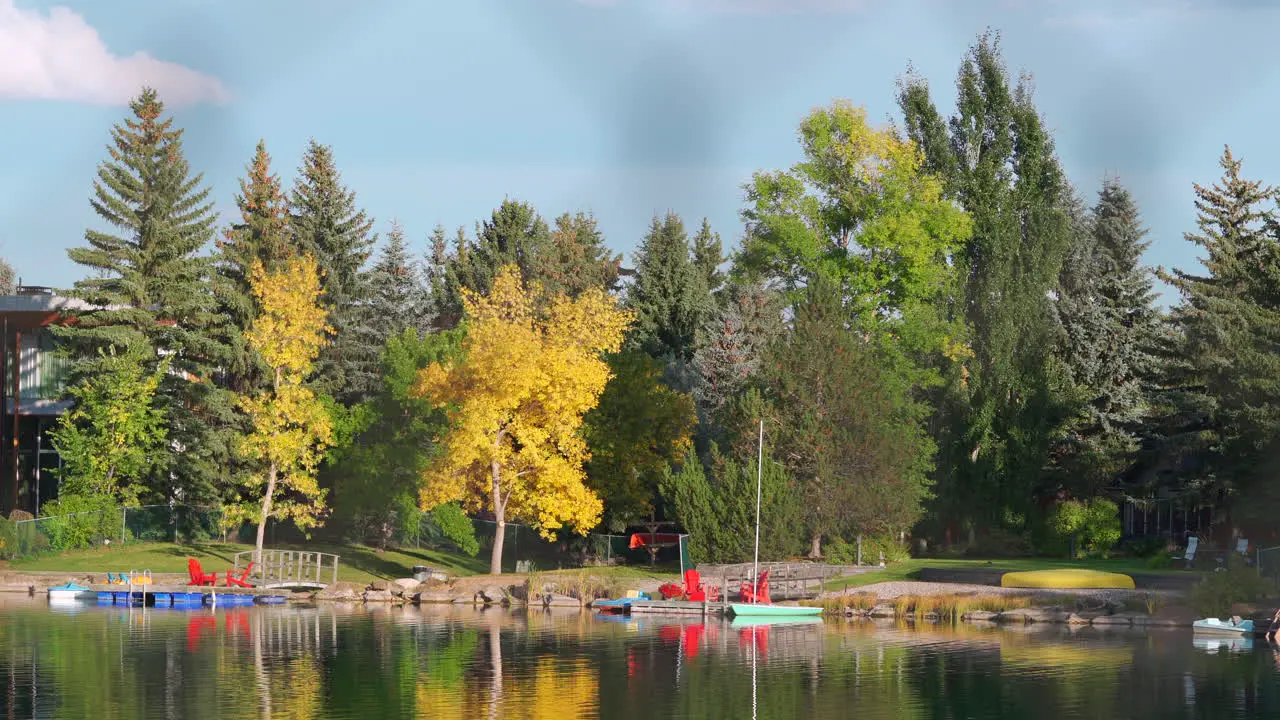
{"points": [[289, 568]]}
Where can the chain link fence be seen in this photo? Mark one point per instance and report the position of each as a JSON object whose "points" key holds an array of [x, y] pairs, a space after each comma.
{"points": [[1268, 560], [524, 550], [21, 538]]}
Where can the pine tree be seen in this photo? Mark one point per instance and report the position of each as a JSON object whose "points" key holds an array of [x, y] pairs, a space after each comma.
{"points": [[670, 295], [708, 255], [150, 291], [1229, 326], [1007, 403], [328, 223], [399, 300], [262, 235]]}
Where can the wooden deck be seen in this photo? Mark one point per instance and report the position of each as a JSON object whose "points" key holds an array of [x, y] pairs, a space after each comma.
{"points": [[674, 607]]}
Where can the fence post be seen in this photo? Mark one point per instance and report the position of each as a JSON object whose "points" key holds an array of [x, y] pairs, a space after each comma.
{"points": [[124, 523], [859, 550]]}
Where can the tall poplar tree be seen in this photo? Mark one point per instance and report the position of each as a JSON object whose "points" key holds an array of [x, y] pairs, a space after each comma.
{"points": [[149, 291], [1006, 404], [328, 223]]}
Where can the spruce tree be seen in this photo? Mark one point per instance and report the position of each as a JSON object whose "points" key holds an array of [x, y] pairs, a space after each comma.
{"points": [[399, 300], [576, 257], [328, 223], [1007, 402], [514, 234], [708, 255], [734, 340], [670, 295], [1105, 308], [1229, 326], [149, 292], [263, 235]]}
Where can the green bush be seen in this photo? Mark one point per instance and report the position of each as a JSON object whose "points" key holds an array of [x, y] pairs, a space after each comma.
{"points": [[839, 552], [73, 522], [20, 539], [1218, 591], [1093, 524], [457, 527]]}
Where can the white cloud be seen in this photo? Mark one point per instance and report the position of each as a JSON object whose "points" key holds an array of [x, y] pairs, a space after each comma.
{"points": [[59, 56], [760, 7]]}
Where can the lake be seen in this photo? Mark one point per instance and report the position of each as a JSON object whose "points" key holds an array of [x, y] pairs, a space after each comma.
{"points": [[455, 662]]}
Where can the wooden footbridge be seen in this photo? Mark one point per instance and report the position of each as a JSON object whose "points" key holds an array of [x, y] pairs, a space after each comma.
{"points": [[288, 569]]}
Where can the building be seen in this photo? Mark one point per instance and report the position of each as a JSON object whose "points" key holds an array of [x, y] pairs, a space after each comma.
{"points": [[31, 393]]}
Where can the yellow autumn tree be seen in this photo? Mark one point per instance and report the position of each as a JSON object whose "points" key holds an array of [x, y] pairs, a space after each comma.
{"points": [[530, 369], [291, 428]]}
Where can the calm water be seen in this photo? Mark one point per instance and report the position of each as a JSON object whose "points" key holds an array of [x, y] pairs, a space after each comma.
{"points": [[290, 662]]}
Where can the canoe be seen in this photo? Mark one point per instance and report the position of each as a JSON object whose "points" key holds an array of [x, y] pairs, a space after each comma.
{"points": [[770, 610], [1066, 578], [70, 591], [1214, 626]]}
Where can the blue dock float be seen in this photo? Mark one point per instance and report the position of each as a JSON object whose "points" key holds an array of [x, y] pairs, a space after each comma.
{"points": [[186, 596]]}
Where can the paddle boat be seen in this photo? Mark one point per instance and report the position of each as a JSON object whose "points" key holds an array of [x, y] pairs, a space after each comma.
{"points": [[70, 591], [1214, 626], [772, 611]]}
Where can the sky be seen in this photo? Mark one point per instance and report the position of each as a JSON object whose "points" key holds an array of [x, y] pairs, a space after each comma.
{"points": [[437, 111]]}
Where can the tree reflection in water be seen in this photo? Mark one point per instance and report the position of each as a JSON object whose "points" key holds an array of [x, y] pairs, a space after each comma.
{"points": [[456, 662]]}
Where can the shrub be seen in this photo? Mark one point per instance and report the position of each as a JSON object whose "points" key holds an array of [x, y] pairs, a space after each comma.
{"points": [[1093, 524], [839, 552], [80, 521], [1218, 591]]}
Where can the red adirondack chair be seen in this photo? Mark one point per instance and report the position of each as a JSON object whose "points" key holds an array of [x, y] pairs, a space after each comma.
{"points": [[696, 590], [241, 581], [198, 575], [759, 593]]}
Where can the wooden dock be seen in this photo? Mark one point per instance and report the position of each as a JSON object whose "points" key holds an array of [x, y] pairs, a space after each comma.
{"points": [[675, 607], [185, 595]]}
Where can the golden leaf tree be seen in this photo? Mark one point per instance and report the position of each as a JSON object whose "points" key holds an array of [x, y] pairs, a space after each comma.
{"points": [[532, 366], [291, 428]]}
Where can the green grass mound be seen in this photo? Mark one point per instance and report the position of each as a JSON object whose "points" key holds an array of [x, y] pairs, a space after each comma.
{"points": [[1066, 578]]}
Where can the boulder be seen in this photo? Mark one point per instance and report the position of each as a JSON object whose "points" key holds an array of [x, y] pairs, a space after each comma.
{"points": [[380, 585], [490, 595], [1028, 615], [378, 596], [407, 585], [433, 596], [340, 591], [979, 616], [557, 600], [883, 611], [1074, 619], [1113, 620]]}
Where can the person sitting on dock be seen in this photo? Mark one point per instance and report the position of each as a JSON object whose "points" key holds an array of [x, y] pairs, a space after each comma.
{"points": [[1271, 631]]}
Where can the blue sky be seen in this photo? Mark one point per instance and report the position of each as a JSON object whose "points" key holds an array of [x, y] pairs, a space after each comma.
{"points": [[438, 110]]}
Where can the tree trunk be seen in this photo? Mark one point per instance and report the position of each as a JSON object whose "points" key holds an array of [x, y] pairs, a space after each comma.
{"points": [[815, 548], [266, 512], [500, 518]]}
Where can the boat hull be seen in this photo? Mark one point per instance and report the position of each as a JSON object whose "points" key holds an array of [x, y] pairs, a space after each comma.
{"points": [[769, 610], [1212, 626]]}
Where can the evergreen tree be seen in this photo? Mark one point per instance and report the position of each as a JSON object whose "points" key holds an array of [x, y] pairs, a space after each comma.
{"points": [[399, 299], [734, 339], [262, 235], [670, 295], [149, 292], [328, 223], [576, 257], [1229, 322], [514, 234], [708, 255], [1105, 306], [1007, 403]]}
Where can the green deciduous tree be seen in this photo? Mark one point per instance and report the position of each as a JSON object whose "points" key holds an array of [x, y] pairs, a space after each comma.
{"points": [[114, 436], [329, 224], [150, 291], [639, 428]]}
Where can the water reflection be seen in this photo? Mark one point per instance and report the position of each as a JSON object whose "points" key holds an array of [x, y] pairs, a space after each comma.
{"points": [[456, 662]]}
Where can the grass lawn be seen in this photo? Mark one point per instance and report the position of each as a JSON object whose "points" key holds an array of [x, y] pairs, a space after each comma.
{"points": [[357, 563], [910, 569]]}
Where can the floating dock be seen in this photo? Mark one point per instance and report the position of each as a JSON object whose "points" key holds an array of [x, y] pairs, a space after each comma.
{"points": [[185, 595]]}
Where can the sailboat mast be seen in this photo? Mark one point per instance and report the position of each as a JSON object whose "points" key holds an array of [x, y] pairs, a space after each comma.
{"points": [[755, 563]]}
